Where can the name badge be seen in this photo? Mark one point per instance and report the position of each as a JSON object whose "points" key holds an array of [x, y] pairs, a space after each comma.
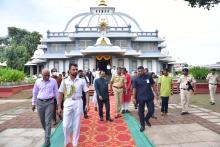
{"points": [[147, 81]]}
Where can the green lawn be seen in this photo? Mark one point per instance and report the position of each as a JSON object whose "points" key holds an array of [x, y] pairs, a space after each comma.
{"points": [[201, 100]]}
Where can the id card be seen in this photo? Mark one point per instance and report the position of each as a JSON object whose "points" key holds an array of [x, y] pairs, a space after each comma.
{"points": [[147, 80]]}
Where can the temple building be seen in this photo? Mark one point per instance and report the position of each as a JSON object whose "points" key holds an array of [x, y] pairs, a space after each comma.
{"points": [[100, 37]]}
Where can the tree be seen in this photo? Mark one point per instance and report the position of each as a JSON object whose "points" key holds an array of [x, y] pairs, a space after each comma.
{"points": [[21, 47], [30, 41], [22, 37], [16, 56], [207, 4]]}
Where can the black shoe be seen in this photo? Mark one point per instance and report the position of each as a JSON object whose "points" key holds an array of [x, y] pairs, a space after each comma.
{"points": [[213, 103], [186, 112], [148, 123], [123, 111], [101, 119], [142, 128], [86, 116], [154, 117], [109, 119], [127, 111], [183, 113]]}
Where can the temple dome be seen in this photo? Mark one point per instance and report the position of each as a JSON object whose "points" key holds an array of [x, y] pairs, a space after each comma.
{"points": [[96, 14]]}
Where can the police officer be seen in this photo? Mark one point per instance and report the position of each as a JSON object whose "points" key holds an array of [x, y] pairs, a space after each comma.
{"points": [[71, 90], [213, 80], [143, 85], [185, 81], [118, 85], [101, 88]]}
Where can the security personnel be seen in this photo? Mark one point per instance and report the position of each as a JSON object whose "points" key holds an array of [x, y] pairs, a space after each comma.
{"points": [[118, 85], [143, 85], [101, 87], [185, 92], [71, 90], [82, 76], [213, 80]]}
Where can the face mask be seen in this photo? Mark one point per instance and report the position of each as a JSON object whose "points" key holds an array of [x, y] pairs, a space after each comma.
{"points": [[54, 73]]}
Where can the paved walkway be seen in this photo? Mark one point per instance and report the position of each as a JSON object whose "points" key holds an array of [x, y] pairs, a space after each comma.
{"points": [[201, 128]]}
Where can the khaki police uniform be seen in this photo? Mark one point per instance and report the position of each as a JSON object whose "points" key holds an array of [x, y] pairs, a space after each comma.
{"points": [[184, 92], [118, 82], [213, 83], [73, 107]]}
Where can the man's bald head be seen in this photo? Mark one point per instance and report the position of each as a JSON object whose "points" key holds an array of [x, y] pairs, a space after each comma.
{"points": [[46, 74]]}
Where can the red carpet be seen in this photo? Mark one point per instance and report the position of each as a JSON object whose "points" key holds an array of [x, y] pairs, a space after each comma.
{"points": [[104, 134]]}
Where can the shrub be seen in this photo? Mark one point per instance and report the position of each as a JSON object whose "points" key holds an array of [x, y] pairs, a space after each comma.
{"points": [[11, 75], [199, 73]]}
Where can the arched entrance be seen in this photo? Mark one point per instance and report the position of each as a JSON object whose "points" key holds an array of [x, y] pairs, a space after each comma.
{"points": [[102, 62]]}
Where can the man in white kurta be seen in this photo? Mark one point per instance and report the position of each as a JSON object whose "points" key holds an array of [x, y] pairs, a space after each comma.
{"points": [[71, 89]]}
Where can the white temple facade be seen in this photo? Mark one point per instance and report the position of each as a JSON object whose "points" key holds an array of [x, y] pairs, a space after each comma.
{"points": [[100, 37]]}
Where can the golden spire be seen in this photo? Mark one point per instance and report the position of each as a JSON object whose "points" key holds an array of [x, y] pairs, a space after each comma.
{"points": [[102, 3]]}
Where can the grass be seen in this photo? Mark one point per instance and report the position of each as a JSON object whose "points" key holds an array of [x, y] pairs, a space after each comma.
{"points": [[201, 100]]}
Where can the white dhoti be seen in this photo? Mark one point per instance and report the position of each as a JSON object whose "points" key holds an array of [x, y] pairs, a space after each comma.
{"points": [[72, 111]]}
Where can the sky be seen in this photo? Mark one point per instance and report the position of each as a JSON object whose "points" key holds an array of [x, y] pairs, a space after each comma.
{"points": [[191, 34]]}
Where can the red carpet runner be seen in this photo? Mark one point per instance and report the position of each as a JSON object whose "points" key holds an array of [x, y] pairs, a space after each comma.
{"points": [[102, 133]]}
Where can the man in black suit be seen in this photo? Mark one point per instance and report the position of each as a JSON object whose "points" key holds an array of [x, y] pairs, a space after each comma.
{"points": [[101, 87]]}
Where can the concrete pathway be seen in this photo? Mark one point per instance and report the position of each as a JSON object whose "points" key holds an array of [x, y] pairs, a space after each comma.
{"points": [[201, 128], [176, 130]]}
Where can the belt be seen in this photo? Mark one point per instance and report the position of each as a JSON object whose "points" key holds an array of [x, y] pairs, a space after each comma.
{"points": [[76, 98], [213, 84], [118, 87], [184, 88], [45, 100]]}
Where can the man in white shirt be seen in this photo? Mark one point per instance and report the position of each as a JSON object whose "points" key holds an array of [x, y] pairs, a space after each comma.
{"points": [[113, 71], [213, 79], [71, 90]]}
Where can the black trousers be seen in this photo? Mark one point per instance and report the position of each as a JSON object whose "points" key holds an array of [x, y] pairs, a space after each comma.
{"points": [[136, 102], [164, 106], [107, 107], [141, 107], [84, 103]]}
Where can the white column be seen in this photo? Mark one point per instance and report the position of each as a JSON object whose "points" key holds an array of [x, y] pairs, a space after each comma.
{"points": [[51, 64], [126, 64], [145, 63], [139, 62], [80, 63], [67, 65], [154, 65], [31, 70], [92, 63], [158, 67], [114, 61], [60, 66], [38, 69]]}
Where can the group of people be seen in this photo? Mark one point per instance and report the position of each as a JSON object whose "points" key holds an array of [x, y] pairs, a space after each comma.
{"points": [[143, 88]]}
